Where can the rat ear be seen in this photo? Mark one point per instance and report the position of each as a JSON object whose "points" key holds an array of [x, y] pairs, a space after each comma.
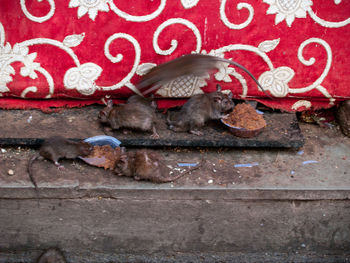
{"points": [[217, 99], [110, 103], [230, 95], [218, 87], [102, 113]]}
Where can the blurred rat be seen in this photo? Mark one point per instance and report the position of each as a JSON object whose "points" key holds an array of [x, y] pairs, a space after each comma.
{"points": [[199, 109], [149, 103], [52, 255], [192, 64], [137, 114], [56, 148], [146, 165]]}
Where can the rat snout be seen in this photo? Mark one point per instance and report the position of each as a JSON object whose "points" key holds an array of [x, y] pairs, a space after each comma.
{"points": [[228, 106], [102, 116]]}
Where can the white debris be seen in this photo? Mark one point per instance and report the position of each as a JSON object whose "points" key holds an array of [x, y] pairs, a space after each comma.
{"points": [[30, 119], [310, 161], [3, 150], [10, 172], [301, 152], [210, 181]]}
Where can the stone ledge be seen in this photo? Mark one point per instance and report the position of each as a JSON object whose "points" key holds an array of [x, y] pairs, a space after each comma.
{"points": [[169, 193]]}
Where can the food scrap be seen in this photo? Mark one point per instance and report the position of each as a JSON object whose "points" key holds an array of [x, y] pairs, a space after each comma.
{"points": [[103, 156], [245, 116]]}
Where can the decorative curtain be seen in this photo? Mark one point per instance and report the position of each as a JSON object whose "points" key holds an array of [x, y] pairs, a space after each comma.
{"points": [[77, 52]]}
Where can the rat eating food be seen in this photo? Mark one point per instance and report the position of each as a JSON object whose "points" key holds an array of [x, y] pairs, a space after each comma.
{"points": [[199, 109]]}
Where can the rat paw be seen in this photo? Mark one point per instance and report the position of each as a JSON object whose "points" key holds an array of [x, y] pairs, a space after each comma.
{"points": [[60, 167], [195, 132], [118, 173], [126, 131], [108, 131], [154, 136]]}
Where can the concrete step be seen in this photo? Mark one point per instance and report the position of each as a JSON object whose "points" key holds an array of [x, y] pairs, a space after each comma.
{"points": [[281, 209]]}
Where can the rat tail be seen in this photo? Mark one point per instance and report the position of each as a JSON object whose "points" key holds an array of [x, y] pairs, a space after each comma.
{"points": [[30, 169], [246, 70], [192, 64]]}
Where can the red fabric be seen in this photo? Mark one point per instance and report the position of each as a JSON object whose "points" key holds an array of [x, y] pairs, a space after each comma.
{"points": [[202, 18]]}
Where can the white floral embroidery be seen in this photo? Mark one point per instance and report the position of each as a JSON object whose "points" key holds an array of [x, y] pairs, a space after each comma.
{"points": [[240, 6], [268, 45], [276, 81], [224, 71], [301, 103], [288, 9], [36, 18], [89, 6], [183, 87], [132, 18], [93, 6], [82, 78], [27, 90], [30, 66], [316, 84], [119, 57], [174, 42], [329, 24], [5, 68], [73, 40], [189, 3], [8, 56]]}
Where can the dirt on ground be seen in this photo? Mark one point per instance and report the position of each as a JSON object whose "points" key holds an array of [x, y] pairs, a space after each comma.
{"points": [[321, 162]]}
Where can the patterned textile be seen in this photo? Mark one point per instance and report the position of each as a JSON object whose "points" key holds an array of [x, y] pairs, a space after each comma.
{"points": [[76, 52]]}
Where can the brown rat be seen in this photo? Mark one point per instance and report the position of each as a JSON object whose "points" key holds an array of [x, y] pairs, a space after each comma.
{"points": [[56, 148], [146, 165], [192, 64], [199, 109], [52, 255], [137, 114], [149, 103], [343, 117]]}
